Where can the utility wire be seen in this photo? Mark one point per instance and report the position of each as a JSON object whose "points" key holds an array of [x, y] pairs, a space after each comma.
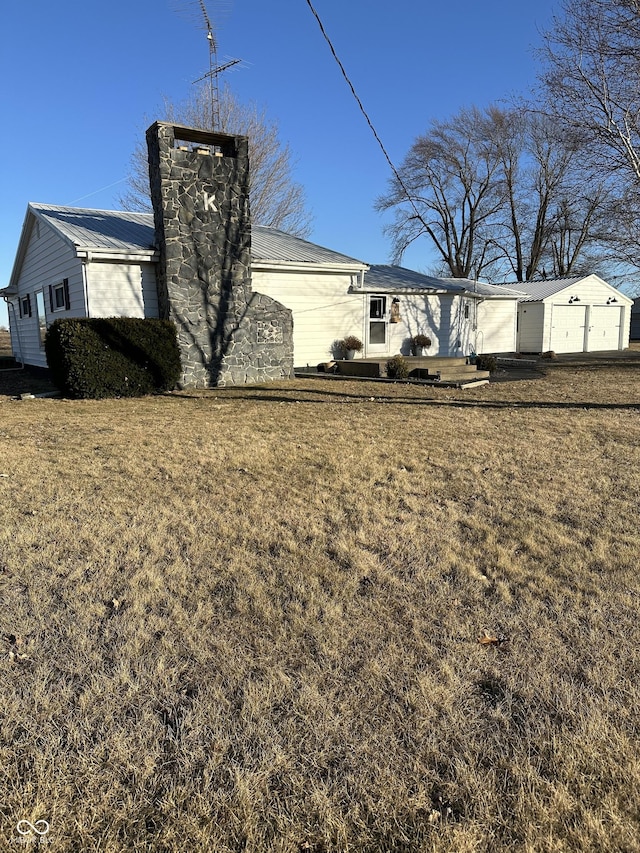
{"points": [[364, 113]]}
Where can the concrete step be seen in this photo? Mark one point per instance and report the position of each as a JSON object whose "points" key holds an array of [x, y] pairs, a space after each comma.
{"points": [[452, 376], [453, 370], [435, 361]]}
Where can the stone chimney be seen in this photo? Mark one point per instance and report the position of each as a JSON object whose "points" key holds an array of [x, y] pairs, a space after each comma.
{"points": [[228, 334]]}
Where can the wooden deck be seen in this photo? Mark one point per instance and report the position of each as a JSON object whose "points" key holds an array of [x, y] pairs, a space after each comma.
{"points": [[432, 370]]}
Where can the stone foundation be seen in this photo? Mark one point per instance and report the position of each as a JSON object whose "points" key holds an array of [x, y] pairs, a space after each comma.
{"points": [[228, 334]]}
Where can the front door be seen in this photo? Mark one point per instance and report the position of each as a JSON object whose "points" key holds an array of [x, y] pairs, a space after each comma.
{"points": [[378, 330]]}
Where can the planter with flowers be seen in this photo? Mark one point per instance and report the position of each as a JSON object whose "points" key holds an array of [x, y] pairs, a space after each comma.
{"points": [[350, 346], [420, 344]]}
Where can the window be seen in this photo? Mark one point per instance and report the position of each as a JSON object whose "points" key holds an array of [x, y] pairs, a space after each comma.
{"points": [[42, 317], [466, 310], [24, 305], [377, 307], [59, 296]]}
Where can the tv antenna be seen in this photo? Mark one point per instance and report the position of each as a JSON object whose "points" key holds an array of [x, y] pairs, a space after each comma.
{"points": [[214, 68]]}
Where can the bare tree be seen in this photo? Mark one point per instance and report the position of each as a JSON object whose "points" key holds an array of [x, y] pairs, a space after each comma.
{"points": [[553, 211], [591, 86], [498, 192], [449, 191], [276, 199], [591, 78]]}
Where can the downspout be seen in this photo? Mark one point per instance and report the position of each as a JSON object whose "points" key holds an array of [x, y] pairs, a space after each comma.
{"points": [[475, 318], [85, 289], [364, 315]]}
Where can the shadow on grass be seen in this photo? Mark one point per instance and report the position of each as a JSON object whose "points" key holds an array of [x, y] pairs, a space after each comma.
{"points": [[265, 395], [23, 380]]}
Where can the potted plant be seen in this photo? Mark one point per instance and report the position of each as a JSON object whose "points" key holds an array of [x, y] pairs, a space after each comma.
{"points": [[419, 343], [351, 345]]}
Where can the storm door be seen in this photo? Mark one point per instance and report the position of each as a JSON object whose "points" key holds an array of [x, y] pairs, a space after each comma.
{"points": [[378, 331]]}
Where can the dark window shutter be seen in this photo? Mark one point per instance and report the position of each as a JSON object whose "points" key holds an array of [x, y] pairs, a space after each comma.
{"points": [[51, 297], [67, 301], [20, 306], [29, 304]]}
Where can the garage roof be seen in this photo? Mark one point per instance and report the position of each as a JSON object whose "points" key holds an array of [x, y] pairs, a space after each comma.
{"points": [[536, 291]]}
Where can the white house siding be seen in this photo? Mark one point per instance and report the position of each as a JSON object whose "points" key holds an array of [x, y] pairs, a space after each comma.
{"points": [[440, 317], [47, 261], [635, 320], [122, 289], [323, 309], [496, 326]]}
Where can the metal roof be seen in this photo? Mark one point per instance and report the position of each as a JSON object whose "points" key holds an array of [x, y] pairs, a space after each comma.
{"points": [[481, 288], [269, 244], [109, 230], [123, 231], [387, 277], [535, 291]]}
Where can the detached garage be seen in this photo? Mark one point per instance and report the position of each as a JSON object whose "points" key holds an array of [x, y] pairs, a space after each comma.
{"points": [[573, 315]]}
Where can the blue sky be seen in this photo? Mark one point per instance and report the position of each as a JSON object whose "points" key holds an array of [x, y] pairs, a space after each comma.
{"points": [[81, 82]]}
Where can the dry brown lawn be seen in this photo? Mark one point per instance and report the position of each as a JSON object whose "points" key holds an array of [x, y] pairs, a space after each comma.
{"points": [[5, 342], [248, 619]]}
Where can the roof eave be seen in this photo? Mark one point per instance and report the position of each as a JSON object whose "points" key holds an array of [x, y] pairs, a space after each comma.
{"points": [[88, 253], [411, 291], [23, 243], [261, 265]]}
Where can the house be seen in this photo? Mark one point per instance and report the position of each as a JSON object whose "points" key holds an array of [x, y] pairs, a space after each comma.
{"points": [[635, 320], [78, 263], [74, 262], [458, 315], [582, 314]]}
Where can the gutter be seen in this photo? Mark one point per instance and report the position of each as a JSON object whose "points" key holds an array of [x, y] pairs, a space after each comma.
{"points": [[90, 255], [301, 266]]}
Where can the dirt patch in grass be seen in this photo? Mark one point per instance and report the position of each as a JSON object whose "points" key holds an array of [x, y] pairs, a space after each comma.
{"points": [[248, 619]]}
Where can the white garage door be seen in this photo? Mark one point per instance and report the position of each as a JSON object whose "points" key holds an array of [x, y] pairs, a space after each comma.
{"points": [[604, 327], [567, 328]]}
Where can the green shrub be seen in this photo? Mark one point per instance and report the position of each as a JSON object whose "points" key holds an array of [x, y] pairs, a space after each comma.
{"points": [[112, 357], [397, 367], [487, 362]]}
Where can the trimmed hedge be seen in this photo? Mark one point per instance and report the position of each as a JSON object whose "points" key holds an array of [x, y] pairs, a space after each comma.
{"points": [[113, 356]]}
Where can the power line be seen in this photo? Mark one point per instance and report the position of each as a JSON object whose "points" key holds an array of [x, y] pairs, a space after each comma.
{"points": [[365, 114]]}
